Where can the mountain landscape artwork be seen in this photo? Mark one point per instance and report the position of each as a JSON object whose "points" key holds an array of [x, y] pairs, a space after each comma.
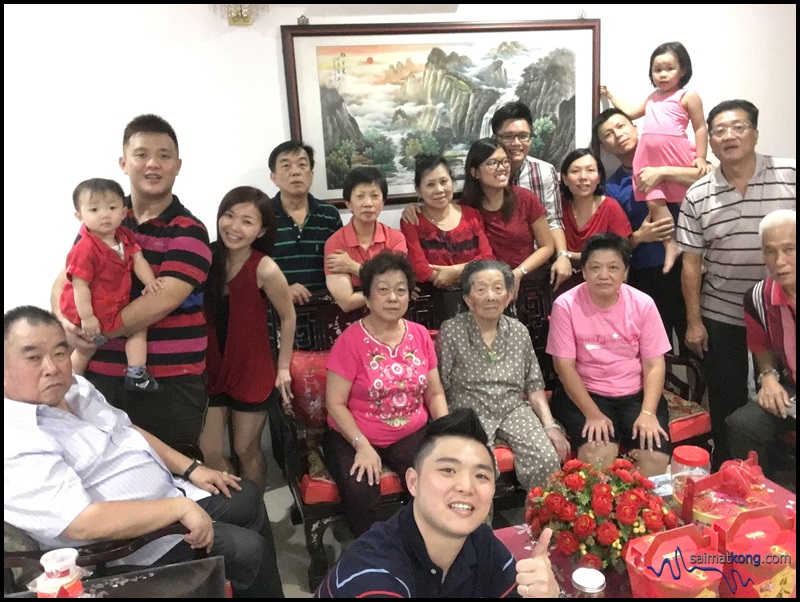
{"points": [[383, 104]]}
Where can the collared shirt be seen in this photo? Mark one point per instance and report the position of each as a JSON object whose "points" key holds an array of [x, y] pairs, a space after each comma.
{"points": [[620, 187], [717, 220], [542, 179], [57, 463], [771, 324], [391, 560], [346, 239], [493, 381], [175, 244], [299, 250]]}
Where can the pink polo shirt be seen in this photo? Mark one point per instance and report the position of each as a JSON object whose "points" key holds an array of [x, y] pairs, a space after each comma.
{"points": [[608, 345], [345, 239]]}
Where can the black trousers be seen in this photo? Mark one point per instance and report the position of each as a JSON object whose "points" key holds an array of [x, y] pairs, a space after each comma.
{"points": [[243, 536]]}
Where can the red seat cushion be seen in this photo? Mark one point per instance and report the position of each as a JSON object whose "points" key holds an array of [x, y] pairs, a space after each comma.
{"points": [[504, 457], [687, 419], [308, 386]]}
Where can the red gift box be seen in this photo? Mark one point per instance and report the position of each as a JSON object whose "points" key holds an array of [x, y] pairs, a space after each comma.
{"points": [[736, 487], [759, 548], [679, 563]]}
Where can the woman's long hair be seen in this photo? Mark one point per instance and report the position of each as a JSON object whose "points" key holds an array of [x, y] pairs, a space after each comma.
{"points": [[473, 194], [217, 277]]}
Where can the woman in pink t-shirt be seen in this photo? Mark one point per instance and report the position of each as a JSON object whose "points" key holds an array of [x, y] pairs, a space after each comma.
{"points": [[382, 386], [608, 344]]}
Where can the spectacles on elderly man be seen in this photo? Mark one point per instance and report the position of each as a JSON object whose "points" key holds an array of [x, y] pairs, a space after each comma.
{"points": [[737, 129], [496, 163]]}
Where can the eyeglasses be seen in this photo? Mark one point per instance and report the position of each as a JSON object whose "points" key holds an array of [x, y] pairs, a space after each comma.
{"points": [[496, 163], [521, 136], [737, 128]]}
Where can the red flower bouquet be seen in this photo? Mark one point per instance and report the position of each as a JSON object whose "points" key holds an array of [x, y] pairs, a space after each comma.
{"points": [[593, 513]]}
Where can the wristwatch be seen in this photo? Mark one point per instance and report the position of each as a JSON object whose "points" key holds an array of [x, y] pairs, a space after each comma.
{"points": [[567, 254], [190, 470], [522, 269]]}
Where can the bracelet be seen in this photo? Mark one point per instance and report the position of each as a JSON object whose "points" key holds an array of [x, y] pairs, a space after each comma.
{"points": [[355, 440], [646, 413], [764, 373]]}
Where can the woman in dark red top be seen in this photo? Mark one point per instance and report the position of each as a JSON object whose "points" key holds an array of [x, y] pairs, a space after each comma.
{"points": [[242, 378], [447, 237], [587, 210], [513, 217]]}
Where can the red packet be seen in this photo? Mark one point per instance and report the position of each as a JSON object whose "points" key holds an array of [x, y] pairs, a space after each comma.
{"points": [[736, 487], [759, 546], [679, 563]]}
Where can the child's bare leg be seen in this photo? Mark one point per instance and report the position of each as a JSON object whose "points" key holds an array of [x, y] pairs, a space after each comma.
{"points": [[658, 210], [80, 360], [137, 377]]}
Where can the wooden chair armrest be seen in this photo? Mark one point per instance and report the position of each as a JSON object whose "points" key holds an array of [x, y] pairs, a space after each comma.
{"points": [[695, 388]]}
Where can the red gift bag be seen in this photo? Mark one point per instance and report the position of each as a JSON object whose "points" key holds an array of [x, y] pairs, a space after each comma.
{"points": [[759, 547], [679, 563]]}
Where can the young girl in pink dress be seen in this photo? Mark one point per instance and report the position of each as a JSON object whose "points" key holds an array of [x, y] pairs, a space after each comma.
{"points": [[663, 141]]}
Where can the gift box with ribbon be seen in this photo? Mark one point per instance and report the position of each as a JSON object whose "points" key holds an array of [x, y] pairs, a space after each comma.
{"points": [[737, 486]]}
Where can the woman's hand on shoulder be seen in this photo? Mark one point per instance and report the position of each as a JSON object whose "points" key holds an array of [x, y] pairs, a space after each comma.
{"points": [[411, 213]]}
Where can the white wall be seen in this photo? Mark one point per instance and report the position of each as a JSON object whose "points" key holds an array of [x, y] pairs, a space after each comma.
{"points": [[74, 75]]}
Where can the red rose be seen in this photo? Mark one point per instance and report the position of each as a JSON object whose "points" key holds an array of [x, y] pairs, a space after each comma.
{"points": [[555, 501], [602, 505], [645, 482], [584, 526], [567, 542], [568, 512], [573, 465], [627, 513], [545, 514], [652, 520], [629, 497], [602, 489], [622, 463], [575, 482], [640, 493], [607, 533], [623, 474], [591, 561], [655, 503], [671, 519], [536, 492]]}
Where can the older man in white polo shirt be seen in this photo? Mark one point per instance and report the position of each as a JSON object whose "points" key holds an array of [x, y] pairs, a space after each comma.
{"points": [[718, 229]]}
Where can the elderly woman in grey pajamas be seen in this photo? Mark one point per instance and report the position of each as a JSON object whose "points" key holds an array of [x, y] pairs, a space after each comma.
{"points": [[487, 363]]}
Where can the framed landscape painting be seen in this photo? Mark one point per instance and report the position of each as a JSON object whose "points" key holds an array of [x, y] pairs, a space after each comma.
{"points": [[380, 94]]}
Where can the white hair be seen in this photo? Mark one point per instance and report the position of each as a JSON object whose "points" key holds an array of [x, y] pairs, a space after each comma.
{"points": [[776, 218]]}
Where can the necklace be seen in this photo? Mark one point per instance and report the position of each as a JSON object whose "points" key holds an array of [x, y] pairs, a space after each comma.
{"points": [[440, 220]]}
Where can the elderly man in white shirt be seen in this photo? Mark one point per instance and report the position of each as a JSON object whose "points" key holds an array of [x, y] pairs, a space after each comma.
{"points": [[76, 470]]}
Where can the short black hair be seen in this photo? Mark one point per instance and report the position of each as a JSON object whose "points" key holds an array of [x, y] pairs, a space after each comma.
{"points": [[364, 175], [601, 119], [291, 147], [149, 124], [30, 314], [606, 241], [385, 261], [461, 422], [570, 159], [684, 61], [424, 163], [96, 186], [734, 105], [511, 110]]}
